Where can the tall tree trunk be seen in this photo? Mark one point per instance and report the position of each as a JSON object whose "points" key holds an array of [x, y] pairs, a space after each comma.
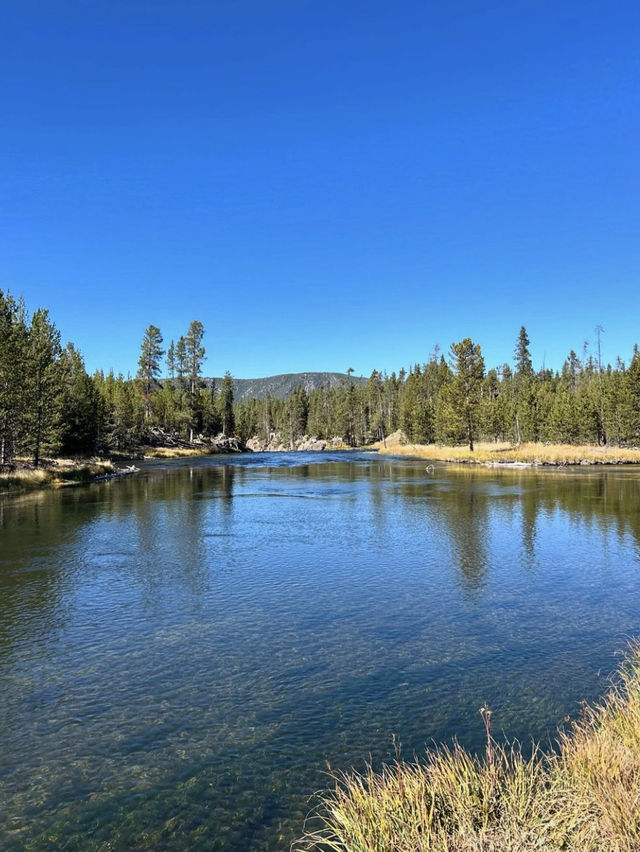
{"points": [[38, 438]]}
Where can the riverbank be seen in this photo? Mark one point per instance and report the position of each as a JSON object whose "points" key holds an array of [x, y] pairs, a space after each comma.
{"points": [[511, 454], [23, 476], [582, 798], [161, 444]]}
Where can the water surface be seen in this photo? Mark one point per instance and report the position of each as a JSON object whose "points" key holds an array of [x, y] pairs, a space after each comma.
{"points": [[181, 653]]}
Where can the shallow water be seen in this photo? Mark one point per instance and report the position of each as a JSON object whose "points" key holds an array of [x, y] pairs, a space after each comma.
{"points": [[182, 652]]}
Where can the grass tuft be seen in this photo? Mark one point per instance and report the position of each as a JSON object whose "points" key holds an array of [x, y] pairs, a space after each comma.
{"points": [[584, 798], [503, 453], [24, 477]]}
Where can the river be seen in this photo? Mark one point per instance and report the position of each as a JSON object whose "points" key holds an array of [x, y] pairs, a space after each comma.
{"points": [[182, 652]]}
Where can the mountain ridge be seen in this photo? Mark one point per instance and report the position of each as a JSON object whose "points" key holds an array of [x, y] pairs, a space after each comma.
{"points": [[281, 385]]}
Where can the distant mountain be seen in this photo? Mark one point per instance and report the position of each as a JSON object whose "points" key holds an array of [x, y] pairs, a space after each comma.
{"points": [[281, 386]]}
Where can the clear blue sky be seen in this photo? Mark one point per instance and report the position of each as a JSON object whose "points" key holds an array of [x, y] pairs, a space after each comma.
{"points": [[323, 183]]}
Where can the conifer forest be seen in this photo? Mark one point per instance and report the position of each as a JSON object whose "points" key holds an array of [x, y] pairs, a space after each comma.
{"points": [[50, 405]]}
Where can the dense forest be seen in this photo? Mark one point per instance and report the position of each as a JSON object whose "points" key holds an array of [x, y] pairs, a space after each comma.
{"points": [[49, 405]]}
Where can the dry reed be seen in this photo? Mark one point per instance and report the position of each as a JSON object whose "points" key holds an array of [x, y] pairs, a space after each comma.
{"points": [[501, 453], [584, 798]]}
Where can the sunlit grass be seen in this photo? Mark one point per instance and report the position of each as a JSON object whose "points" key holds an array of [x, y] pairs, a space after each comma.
{"points": [[24, 477], [584, 798], [176, 452], [504, 453]]}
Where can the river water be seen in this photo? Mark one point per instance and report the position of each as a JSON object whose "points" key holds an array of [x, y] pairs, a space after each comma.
{"points": [[183, 652]]}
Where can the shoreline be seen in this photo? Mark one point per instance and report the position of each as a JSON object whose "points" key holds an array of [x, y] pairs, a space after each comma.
{"points": [[581, 798], [511, 455], [61, 472], [57, 473]]}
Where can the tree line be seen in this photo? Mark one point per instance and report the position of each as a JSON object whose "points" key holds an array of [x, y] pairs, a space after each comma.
{"points": [[50, 405], [455, 399]]}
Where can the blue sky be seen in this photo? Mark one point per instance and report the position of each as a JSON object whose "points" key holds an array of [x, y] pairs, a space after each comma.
{"points": [[323, 184]]}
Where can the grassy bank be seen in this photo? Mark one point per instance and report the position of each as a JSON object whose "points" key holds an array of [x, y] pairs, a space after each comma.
{"points": [[584, 798], [534, 454], [24, 477], [175, 452]]}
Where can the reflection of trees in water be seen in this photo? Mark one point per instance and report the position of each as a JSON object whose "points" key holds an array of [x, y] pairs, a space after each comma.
{"points": [[183, 518], [32, 528], [456, 510], [52, 541], [466, 515], [178, 517], [529, 516], [466, 502], [380, 475], [605, 499]]}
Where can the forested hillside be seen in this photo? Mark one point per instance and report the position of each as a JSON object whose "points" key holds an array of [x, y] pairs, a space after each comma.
{"points": [[50, 405], [282, 385], [454, 399]]}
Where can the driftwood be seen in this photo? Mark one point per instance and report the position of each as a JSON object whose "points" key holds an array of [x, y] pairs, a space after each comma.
{"points": [[117, 473], [157, 437]]}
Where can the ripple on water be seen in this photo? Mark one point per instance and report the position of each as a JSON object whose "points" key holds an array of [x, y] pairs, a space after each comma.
{"points": [[177, 665]]}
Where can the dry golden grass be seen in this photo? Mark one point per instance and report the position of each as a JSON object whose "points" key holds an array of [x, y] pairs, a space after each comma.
{"points": [[174, 452], [55, 473], [584, 798], [502, 453]]}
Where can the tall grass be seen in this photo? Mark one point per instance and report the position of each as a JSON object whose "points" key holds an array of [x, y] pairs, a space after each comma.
{"points": [[59, 472], [583, 798], [174, 452], [534, 454]]}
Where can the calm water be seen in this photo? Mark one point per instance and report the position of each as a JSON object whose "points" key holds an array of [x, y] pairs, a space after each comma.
{"points": [[182, 652]]}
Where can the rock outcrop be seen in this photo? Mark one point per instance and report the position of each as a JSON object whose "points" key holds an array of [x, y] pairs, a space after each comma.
{"points": [[306, 443]]}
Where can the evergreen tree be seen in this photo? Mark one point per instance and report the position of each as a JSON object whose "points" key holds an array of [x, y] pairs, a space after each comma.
{"points": [[127, 415], [195, 355], [13, 389], [467, 364], [490, 415], [616, 398], [151, 352], [524, 365], [632, 413], [526, 425], [79, 409], [295, 412], [43, 382], [182, 366], [226, 405], [375, 406], [171, 361]]}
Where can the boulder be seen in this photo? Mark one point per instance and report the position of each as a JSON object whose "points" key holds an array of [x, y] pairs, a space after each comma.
{"points": [[311, 444]]}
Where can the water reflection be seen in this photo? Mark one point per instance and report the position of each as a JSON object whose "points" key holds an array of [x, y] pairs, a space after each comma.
{"points": [[181, 652]]}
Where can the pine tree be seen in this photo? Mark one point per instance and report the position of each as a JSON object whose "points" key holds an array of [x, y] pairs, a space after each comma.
{"points": [[524, 365], [632, 414], [467, 364], [526, 425], [226, 405], [151, 352], [79, 405], [195, 355], [13, 390], [171, 361], [43, 382]]}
